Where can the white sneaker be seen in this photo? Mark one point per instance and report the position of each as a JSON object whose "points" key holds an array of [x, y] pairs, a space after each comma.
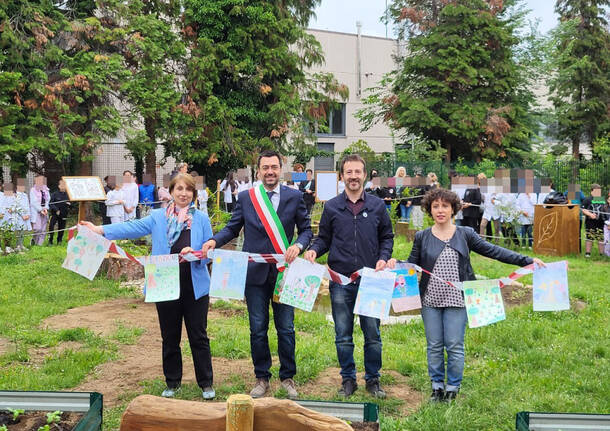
{"points": [[169, 392], [208, 393]]}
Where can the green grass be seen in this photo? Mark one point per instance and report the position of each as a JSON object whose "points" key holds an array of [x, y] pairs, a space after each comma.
{"points": [[34, 286], [555, 361]]}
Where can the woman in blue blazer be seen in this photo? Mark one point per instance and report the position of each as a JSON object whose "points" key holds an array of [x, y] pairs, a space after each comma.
{"points": [[179, 228]]}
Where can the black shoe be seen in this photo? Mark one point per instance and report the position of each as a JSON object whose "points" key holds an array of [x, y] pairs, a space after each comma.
{"points": [[450, 396], [437, 396], [348, 387], [373, 388]]}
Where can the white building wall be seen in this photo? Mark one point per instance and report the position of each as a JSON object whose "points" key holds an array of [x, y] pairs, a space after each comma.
{"points": [[377, 59]]}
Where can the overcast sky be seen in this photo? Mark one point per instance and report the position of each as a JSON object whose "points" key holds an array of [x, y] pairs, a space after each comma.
{"points": [[341, 15]]}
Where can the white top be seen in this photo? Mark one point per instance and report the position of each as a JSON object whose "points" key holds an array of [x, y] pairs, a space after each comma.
{"points": [[226, 188], [131, 197], [526, 204], [114, 208], [507, 206], [490, 212], [460, 192], [202, 198], [13, 209]]}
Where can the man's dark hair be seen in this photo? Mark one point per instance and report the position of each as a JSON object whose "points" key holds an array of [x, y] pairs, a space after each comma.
{"points": [[352, 158], [309, 170], [127, 171], [444, 195], [268, 153]]}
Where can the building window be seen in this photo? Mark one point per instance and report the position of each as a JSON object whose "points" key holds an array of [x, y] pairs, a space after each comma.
{"points": [[333, 124]]}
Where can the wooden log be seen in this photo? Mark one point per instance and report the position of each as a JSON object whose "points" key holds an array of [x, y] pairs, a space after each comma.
{"points": [[150, 413], [240, 413]]}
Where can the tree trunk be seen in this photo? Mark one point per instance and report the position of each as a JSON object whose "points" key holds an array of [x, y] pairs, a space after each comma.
{"points": [[150, 413], [151, 156], [86, 170]]}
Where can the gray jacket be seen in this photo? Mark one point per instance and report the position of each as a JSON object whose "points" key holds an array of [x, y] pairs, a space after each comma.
{"points": [[427, 248]]}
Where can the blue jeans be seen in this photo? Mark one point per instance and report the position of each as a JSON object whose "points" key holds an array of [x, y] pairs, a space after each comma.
{"points": [[405, 212], [257, 300], [343, 299], [526, 231], [445, 328]]}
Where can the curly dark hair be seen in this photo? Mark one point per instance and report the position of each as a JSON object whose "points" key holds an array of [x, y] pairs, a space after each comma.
{"points": [[444, 195]]}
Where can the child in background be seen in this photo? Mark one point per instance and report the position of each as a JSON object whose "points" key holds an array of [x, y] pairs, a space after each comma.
{"points": [[39, 209], [525, 205], [115, 204], [606, 217], [59, 206], [163, 194], [594, 224], [23, 209]]}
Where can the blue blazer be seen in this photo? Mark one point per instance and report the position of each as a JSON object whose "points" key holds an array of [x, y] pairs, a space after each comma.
{"points": [[291, 211], [156, 224]]}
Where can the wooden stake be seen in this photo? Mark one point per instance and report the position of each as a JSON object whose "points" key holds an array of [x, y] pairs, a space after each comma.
{"points": [[82, 210], [240, 413]]}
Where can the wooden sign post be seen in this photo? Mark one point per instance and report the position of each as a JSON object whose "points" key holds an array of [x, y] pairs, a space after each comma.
{"points": [[84, 190]]}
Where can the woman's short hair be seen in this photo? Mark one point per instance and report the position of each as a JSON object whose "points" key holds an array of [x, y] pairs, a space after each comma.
{"points": [[399, 170], [186, 179], [444, 195]]}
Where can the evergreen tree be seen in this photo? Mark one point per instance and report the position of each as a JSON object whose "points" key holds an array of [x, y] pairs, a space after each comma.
{"points": [[580, 77], [57, 78], [460, 82], [247, 88]]}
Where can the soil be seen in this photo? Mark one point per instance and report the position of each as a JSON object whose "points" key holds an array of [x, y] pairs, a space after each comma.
{"points": [[516, 294], [365, 426], [116, 379], [31, 421], [329, 381], [119, 379]]}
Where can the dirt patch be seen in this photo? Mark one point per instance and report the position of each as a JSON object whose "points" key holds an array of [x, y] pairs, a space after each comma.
{"points": [[329, 381], [6, 346], [141, 361], [516, 294]]}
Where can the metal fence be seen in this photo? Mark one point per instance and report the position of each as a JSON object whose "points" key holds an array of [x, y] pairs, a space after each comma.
{"points": [[562, 173]]}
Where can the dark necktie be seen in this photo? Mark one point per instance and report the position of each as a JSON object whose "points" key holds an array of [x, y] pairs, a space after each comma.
{"points": [[270, 194]]}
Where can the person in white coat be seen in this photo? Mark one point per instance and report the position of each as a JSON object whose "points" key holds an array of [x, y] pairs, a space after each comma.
{"points": [[131, 195], [490, 214], [39, 209], [525, 205], [115, 210]]}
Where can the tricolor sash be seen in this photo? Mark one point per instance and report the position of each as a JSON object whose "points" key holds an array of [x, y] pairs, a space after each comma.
{"points": [[269, 218], [274, 228]]}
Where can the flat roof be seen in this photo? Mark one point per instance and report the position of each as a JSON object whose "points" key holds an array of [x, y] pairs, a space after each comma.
{"points": [[351, 34]]}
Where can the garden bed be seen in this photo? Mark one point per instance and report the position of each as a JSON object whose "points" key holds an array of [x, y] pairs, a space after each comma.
{"points": [[39, 420]]}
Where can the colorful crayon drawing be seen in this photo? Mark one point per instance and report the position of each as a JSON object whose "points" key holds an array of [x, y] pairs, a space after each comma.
{"points": [[375, 293], [301, 283], [405, 296], [229, 270], [162, 277], [484, 304], [551, 287], [86, 252]]}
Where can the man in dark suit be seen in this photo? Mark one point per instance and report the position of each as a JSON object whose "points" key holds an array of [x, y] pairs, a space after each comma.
{"points": [[309, 190], [290, 208]]}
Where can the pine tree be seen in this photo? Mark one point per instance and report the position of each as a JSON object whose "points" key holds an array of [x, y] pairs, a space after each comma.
{"points": [[580, 78], [460, 82]]}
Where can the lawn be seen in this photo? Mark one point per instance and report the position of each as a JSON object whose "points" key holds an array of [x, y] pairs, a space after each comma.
{"points": [[555, 361]]}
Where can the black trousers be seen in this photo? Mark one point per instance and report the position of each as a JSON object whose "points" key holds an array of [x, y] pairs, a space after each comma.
{"points": [[195, 314], [473, 222], [61, 224]]}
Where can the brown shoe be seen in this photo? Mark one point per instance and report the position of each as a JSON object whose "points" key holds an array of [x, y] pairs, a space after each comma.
{"points": [[260, 388], [290, 387]]}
